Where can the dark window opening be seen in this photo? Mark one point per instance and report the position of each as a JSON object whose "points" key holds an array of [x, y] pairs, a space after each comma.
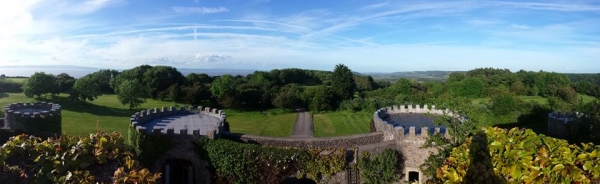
{"points": [[177, 171], [413, 176]]}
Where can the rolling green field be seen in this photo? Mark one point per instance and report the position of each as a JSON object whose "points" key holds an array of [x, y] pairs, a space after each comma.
{"points": [[341, 123], [258, 123]]}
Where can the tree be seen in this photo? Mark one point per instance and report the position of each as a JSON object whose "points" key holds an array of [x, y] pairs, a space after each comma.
{"points": [[342, 82], [288, 97], [201, 78], [224, 89], [159, 78], [319, 98], [175, 93], [132, 93], [65, 82], [40, 83], [86, 88]]}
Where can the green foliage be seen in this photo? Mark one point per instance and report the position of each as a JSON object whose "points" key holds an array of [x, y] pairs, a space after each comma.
{"points": [[175, 93], [149, 148], [65, 159], [503, 104], [130, 92], [520, 156], [158, 79], [246, 163], [385, 167], [65, 82], [224, 89], [86, 88], [289, 97], [319, 98], [469, 87], [39, 84], [342, 82], [365, 104], [9, 86]]}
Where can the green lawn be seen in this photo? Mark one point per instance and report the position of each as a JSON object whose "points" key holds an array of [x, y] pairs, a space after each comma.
{"points": [[79, 118], [19, 80], [341, 123], [258, 123], [538, 99]]}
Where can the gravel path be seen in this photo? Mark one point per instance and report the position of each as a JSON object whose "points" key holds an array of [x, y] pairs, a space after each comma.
{"points": [[304, 126]]}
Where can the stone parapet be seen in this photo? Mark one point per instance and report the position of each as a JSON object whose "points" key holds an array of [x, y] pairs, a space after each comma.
{"points": [[395, 132], [140, 118], [27, 110]]}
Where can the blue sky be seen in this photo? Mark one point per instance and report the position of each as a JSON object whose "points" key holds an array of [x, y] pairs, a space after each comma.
{"points": [[367, 36]]}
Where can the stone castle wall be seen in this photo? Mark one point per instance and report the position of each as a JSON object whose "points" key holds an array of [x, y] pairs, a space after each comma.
{"points": [[330, 142], [144, 116], [558, 121]]}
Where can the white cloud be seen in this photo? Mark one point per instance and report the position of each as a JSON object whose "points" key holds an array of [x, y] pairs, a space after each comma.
{"points": [[201, 10]]}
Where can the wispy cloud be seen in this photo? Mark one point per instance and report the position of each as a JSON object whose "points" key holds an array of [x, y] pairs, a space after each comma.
{"points": [[374, 6], [173, 28], [200, 10], [571, 6]]}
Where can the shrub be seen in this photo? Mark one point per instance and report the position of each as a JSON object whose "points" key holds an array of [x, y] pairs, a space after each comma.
{"points": [[383, 168]]}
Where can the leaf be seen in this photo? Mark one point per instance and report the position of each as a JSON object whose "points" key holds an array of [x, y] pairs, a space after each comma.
{"points": [[558, 167], [587, 165]]}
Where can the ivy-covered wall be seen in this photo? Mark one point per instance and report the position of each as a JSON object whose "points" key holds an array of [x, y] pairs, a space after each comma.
{"points": [[148, 147]]}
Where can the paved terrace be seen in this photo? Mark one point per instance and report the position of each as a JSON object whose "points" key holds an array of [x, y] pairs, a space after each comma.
{"points": [[189, 122]]}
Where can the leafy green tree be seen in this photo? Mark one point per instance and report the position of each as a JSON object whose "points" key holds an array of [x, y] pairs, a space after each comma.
{"points": [[131, 92], [195, 93], [201, 78], [342, 82], [289, 97], [103, 78], [159, 78], [86, 88], [319, 98], [39, 84], [503, 104], [224, 88], [65, 82], [175, 93]]}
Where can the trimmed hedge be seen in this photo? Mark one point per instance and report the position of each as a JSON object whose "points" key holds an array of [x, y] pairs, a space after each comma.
{"points": [[148, 148]]}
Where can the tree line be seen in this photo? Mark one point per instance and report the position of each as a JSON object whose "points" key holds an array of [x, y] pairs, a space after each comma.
{"points": [[297, 88]]}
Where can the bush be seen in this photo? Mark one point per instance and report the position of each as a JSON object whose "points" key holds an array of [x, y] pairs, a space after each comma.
{"points": [[8, 86], [520, 156], [234, 162], [383, 168]]}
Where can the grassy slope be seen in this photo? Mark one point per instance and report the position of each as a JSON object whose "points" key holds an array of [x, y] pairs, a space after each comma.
{"points": [[257, 123], [341, 123]]}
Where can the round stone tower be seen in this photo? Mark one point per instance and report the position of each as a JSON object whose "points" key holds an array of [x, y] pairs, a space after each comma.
{"points": [[37, 118]]}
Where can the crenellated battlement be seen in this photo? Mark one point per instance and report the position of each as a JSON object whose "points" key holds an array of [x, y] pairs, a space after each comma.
{"points": [[40, 118], [139, 119], [32, 110], [394, 131]]}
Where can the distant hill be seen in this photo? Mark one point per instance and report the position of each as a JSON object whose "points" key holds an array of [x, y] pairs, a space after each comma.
{"points": [[419, 75]]}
